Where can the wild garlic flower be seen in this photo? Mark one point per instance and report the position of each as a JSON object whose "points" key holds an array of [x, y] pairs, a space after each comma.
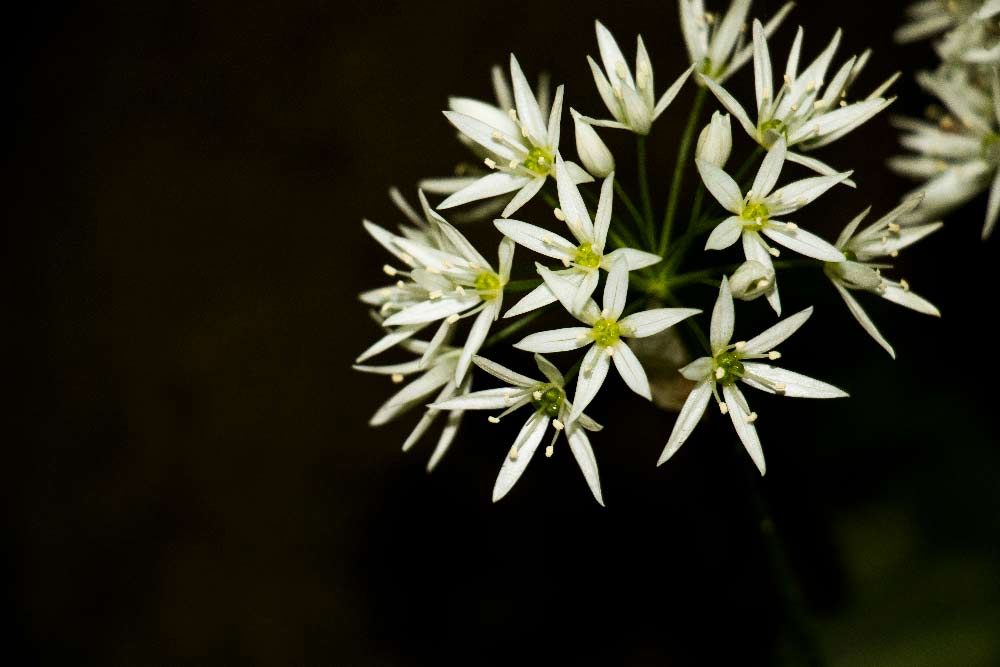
{"points": [[445, 281], [439, 377], [604, 333], [521, 145], [594, 153], [715, 142], [715, 46], [753, 215], [631, 102], [548, 399], [883, 238], [797, 111], [750, 280], [741, 362], [958, 155], [971, 34], [583, 258]]}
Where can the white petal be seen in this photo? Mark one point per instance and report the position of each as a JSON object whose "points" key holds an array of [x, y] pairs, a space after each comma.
{"points": [[528, 110], [698, 370], [722, 186], [462, 245], [607, 94], [796, 385], [634, 259], [671, 92], [503, 373], [723, 318], [577, 174], [571, 203], [763, 83], [687, 420], [593, 372], [435, 343], [555, 119], [746, 430], [429, 311], [579, 444], [549, 370], [775, 335], [505, 257], [389, 340], [727, 32], [477, 335], [542, 296], [525, 444], [582, 306], [819, 130], [482, 134], [802, 242], [491, 185], [447, 437], [818, 166], [908, 299], [616, 290], [413, 393], [650, 322], [993, 207], [754, 249], [556, 340], [796, 195], [862, 317], [535, 238], [631, 370], [725, 234], [602, 219], [488, 399], [523, 196], [566, 291], [732, 106], [612, 57], [770, 169], [428, 418], [495, 117]]}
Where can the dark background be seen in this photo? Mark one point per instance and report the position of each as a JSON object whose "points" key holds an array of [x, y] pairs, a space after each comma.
{"points": [[190, 477]]}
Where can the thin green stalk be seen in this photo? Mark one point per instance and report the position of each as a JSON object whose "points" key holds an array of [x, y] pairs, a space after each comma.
{"points": [[512, 328], [682, 160], [758, 151], [619, 233], [522, 285], [636, 215], [647, 201]]}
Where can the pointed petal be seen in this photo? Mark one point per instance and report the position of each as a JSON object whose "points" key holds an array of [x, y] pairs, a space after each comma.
{"points": [[671, 93], [528, 110], [430, 311], [493, 184], [862, 317], [615, 290], [763, 83], [611, 56], [907, 299], [535, 238], [722, 186], [503, 373], [802, 242], [579, 444], [800, 193], [571, 203], [634, 259], [631, 370], [770, 170], [796, 384], [477, 336], [566, 291], [549, 370], [523, 196], [556, 340], [649, 322], [725, 234], [687, 420], [482, 134], [723, 318], [593, 372], [775, 335], [555, 119], [487, 399], [731, 105], [525, 444], [746, 430], [602, 219]]}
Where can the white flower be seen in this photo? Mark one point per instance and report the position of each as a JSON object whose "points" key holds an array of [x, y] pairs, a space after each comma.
{"points": [[548, 398], [583, 258], [521, 145], [751, 280], [715, 141], [960, 154], [604, 332], [447, 280], [741, 362], [797, 111], [631, 102], [883, 238], [593, 152], [753, 216], [439, 377], [969, 21], [716, 46]]}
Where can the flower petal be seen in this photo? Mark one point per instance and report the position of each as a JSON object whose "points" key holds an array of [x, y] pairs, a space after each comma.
{"points": [[571, 203], [525, 445], [723, 318], [631, 370], [796, 384], [602, 219], [725, 234], [493, 184], [500, 398], [801, 241], [862, 317], [556, 340], [773, 336], [722, 186], [770, 170], [503, 373], [615, 291], [593, 372], [634, 259], [536, 238], [650, 322], [690, 414], [523, 196], [745, 429], [549, 370], [579, 444], [796, 195], [732, 106], [431, 310], [528, 111], [476, 338]]}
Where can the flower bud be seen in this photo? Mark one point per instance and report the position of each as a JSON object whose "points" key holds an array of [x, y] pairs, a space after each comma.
{"points": [[715, 141], [751, 280], [593, 152]]}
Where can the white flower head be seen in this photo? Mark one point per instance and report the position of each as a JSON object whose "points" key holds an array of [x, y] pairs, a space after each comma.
{"points": [[715, 141], [971, 39], [732, 363], [548, 399], [521, 144], [445, 280], [960, 154], [631, 101], [715, 45], [755, 215], [882, 239], [593, 152], [800, 110], [585, 255], [604, 334]]}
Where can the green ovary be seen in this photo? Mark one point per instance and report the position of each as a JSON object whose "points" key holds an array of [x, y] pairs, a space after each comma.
{"points": [[550, 402], [732, 367], [538, 162], [753, 212], [771, 130], [606, 332], [587, 257], [487, 284]]}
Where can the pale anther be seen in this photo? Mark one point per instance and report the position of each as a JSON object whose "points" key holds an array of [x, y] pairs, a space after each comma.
{"points": [[493, 420], [397, 378], [558, 425]]}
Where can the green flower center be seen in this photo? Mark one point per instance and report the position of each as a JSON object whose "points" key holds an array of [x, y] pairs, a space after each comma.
{"points": [[539, 161], [551, 400], [771, 131], [606, 332], [732, 367], [753, 212], [586, 256], [991, 147], [487, 284]]}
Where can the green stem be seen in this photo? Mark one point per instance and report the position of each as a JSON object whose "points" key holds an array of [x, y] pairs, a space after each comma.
{"points": [[525, 285], [647, 201], [630, 205], [682, 159], [512, 328]]}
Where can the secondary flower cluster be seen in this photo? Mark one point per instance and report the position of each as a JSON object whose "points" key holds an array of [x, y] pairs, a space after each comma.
{"points": [[595, 240], [955, 150]]}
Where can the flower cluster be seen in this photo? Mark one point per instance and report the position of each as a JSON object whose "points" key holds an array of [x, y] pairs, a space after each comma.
{"points": [[955, 150], [608, 271]]}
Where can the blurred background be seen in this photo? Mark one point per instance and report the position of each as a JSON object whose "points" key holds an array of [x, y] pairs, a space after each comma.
{"points": [[191, 478]]}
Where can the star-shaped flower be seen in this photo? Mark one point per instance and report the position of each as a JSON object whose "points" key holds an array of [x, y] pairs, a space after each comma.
{"points": [[583, 258], [548, 399], [604, 333], [741, 362], [631, 102], [883, 238], [753, 216], [521, 145]]}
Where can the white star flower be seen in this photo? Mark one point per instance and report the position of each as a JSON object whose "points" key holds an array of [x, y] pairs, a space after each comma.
{"points": [[971, 18], [439, 377], [741, 362], [715, 46], [753, 216], [583, 258], [797, 111], [604, 333], [631, 102], [548, 398], [883, 238], [960, 154], [521, 145], [448, 280]]}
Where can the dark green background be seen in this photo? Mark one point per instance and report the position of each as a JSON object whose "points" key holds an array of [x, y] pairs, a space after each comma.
{"points": [[191, 479]]}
